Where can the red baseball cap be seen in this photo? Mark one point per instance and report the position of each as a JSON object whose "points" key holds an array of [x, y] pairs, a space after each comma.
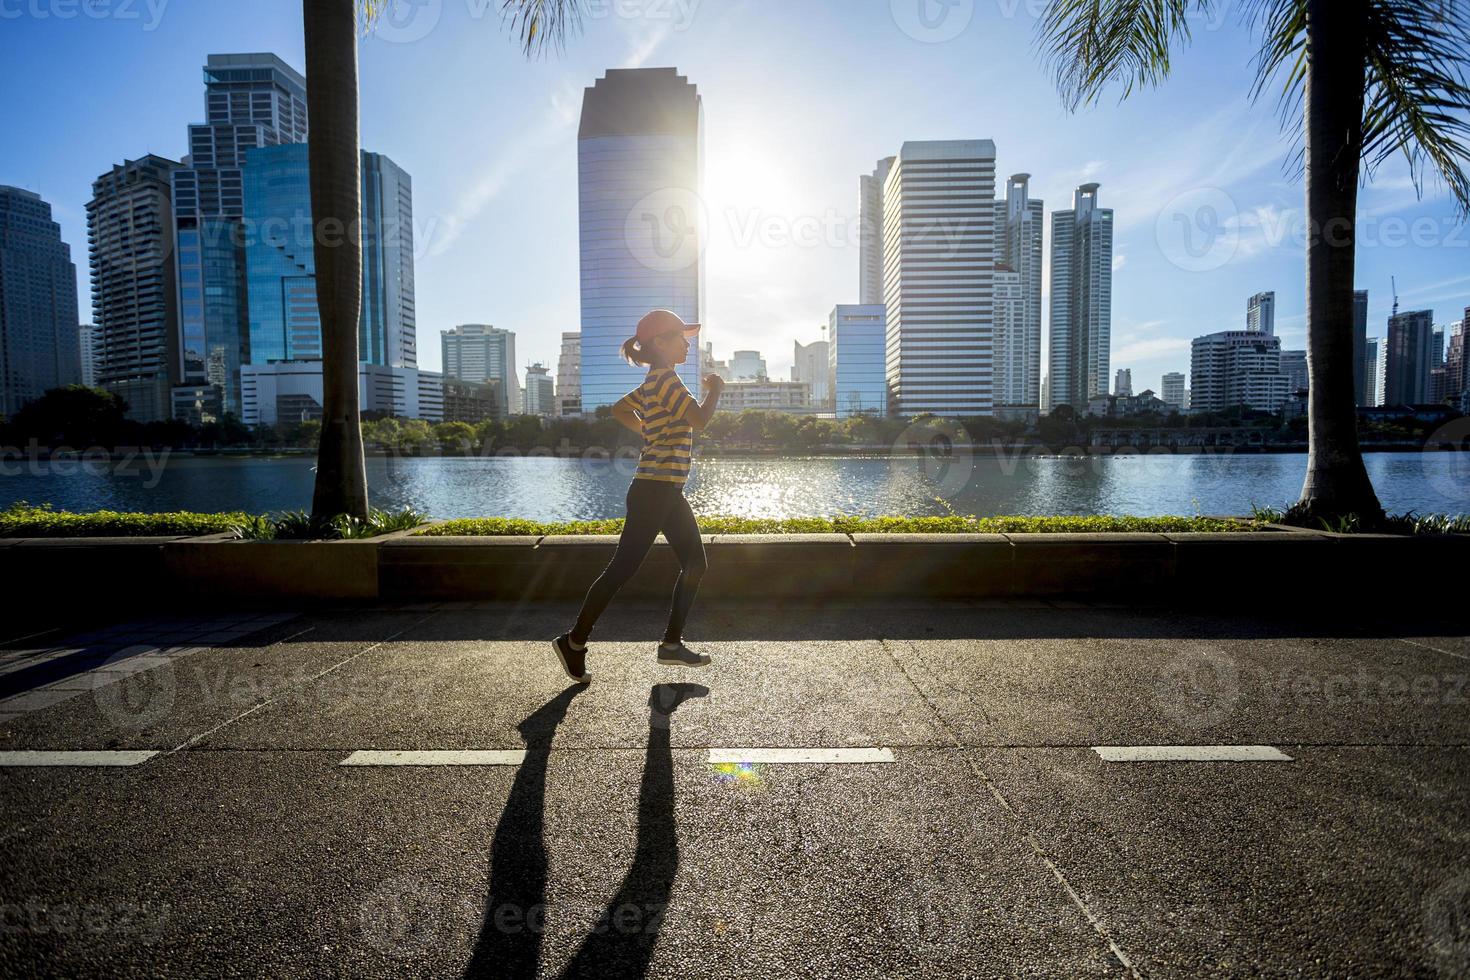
{"points": [[659, 322]]}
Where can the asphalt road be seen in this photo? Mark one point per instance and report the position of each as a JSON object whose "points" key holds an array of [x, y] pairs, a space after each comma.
{"points": [[996, 842]]}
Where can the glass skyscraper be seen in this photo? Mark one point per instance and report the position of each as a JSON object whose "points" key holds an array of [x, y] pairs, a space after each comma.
{"points": [[280, 260], [251, 100], [857, 378], [639, 170], [39, 346]]}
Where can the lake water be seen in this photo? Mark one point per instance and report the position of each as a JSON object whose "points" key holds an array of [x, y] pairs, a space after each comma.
{"points": [[544, 488]]}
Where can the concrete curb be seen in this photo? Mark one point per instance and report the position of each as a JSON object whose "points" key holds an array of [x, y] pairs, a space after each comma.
{"points": [[1258, 567]]}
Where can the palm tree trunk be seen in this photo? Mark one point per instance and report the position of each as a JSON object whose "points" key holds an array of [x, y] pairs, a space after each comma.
{"points": [[1337, 483], [336, 204]]}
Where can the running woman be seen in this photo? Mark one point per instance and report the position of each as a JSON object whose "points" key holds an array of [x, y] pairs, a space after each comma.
{"points": [[663, 411]]}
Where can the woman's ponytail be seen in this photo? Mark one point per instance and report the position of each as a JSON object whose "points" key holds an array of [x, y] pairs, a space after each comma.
{"points": [[634, 354]]}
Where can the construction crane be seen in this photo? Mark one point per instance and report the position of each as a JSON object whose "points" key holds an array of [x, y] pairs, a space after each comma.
{"points": [[1394, 283]]}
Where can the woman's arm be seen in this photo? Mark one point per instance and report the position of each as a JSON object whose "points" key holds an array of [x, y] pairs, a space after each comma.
{"points": [[626, 412], [701, 413]]}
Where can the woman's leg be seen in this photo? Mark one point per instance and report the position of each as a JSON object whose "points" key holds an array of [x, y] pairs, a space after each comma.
{"points": [[648, 501], [683, 533]]}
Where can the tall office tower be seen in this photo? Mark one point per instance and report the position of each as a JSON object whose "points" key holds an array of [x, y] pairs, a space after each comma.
{"points": [[711, 365], [1409, 358], [939, 277], [569, 375], [747, 365], [134, 297], [540, 396], [1294, 366], [250, 100], [389, 331], [1171, 389], [1260, 314], [481, 353], [809, 364], [856, 373], [38, 302], [87, 351], [1018, 236], [870, 233], [280, 260], [1123, 383], [1456, 380], [1373, 371], [1237, 368], [1009, 348], [1081, 300], [1362, 380], [639, 174]]}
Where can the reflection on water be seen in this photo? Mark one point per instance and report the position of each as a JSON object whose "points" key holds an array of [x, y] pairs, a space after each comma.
{"points": [[568, 489]]}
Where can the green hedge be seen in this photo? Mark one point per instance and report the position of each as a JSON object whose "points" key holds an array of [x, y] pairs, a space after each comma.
{"points": [[23, 520], [496, 526]]}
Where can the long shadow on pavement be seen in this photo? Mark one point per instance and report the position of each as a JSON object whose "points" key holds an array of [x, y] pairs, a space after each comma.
{"points": [[509, 944], [622, 942]]}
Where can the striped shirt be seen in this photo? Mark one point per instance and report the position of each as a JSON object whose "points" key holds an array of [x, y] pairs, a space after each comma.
{"points": [[664, 404]]}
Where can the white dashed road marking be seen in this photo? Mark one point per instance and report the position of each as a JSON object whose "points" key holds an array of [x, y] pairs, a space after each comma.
{"points": [[1191, 753], [120, 758], [801, 755]]}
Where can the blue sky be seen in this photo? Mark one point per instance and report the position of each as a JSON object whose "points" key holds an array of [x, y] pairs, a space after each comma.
{"points": [[799, 98]]}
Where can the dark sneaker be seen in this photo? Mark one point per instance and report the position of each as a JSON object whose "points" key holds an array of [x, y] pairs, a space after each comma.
{"points": [[678, 655], [574, 662]]}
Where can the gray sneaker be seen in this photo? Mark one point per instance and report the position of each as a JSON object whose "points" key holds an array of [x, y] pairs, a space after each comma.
{"points": [[678, 655]]}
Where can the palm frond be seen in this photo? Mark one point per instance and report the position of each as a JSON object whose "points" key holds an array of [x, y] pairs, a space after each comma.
{"points": [[1418, 102], [541, 25], [1093, 44]]}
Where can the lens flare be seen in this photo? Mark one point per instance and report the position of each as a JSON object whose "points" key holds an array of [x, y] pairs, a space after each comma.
{"points": [[737, 773]]}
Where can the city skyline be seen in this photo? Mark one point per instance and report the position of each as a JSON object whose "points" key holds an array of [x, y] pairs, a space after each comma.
{"points": [[1196, 136]]}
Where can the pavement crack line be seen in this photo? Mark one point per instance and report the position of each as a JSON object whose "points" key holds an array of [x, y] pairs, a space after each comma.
{"points": [[1097, 925], [195, 740]]}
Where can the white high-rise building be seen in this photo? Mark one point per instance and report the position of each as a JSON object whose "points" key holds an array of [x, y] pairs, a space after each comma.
{"points": [[1009, 349], [1260, 313], [1123, 383], [1018, 343], [639, 172], [1081, 301], [1237, 368], [480, 353], [809, 364], [1171, 389], [870, 243], [939, 256], [539, 397], [569, 375], [1373, 372], [87, 345]]}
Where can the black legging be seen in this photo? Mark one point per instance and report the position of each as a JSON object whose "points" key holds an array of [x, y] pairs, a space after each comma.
{"points": [[653, 506]]}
